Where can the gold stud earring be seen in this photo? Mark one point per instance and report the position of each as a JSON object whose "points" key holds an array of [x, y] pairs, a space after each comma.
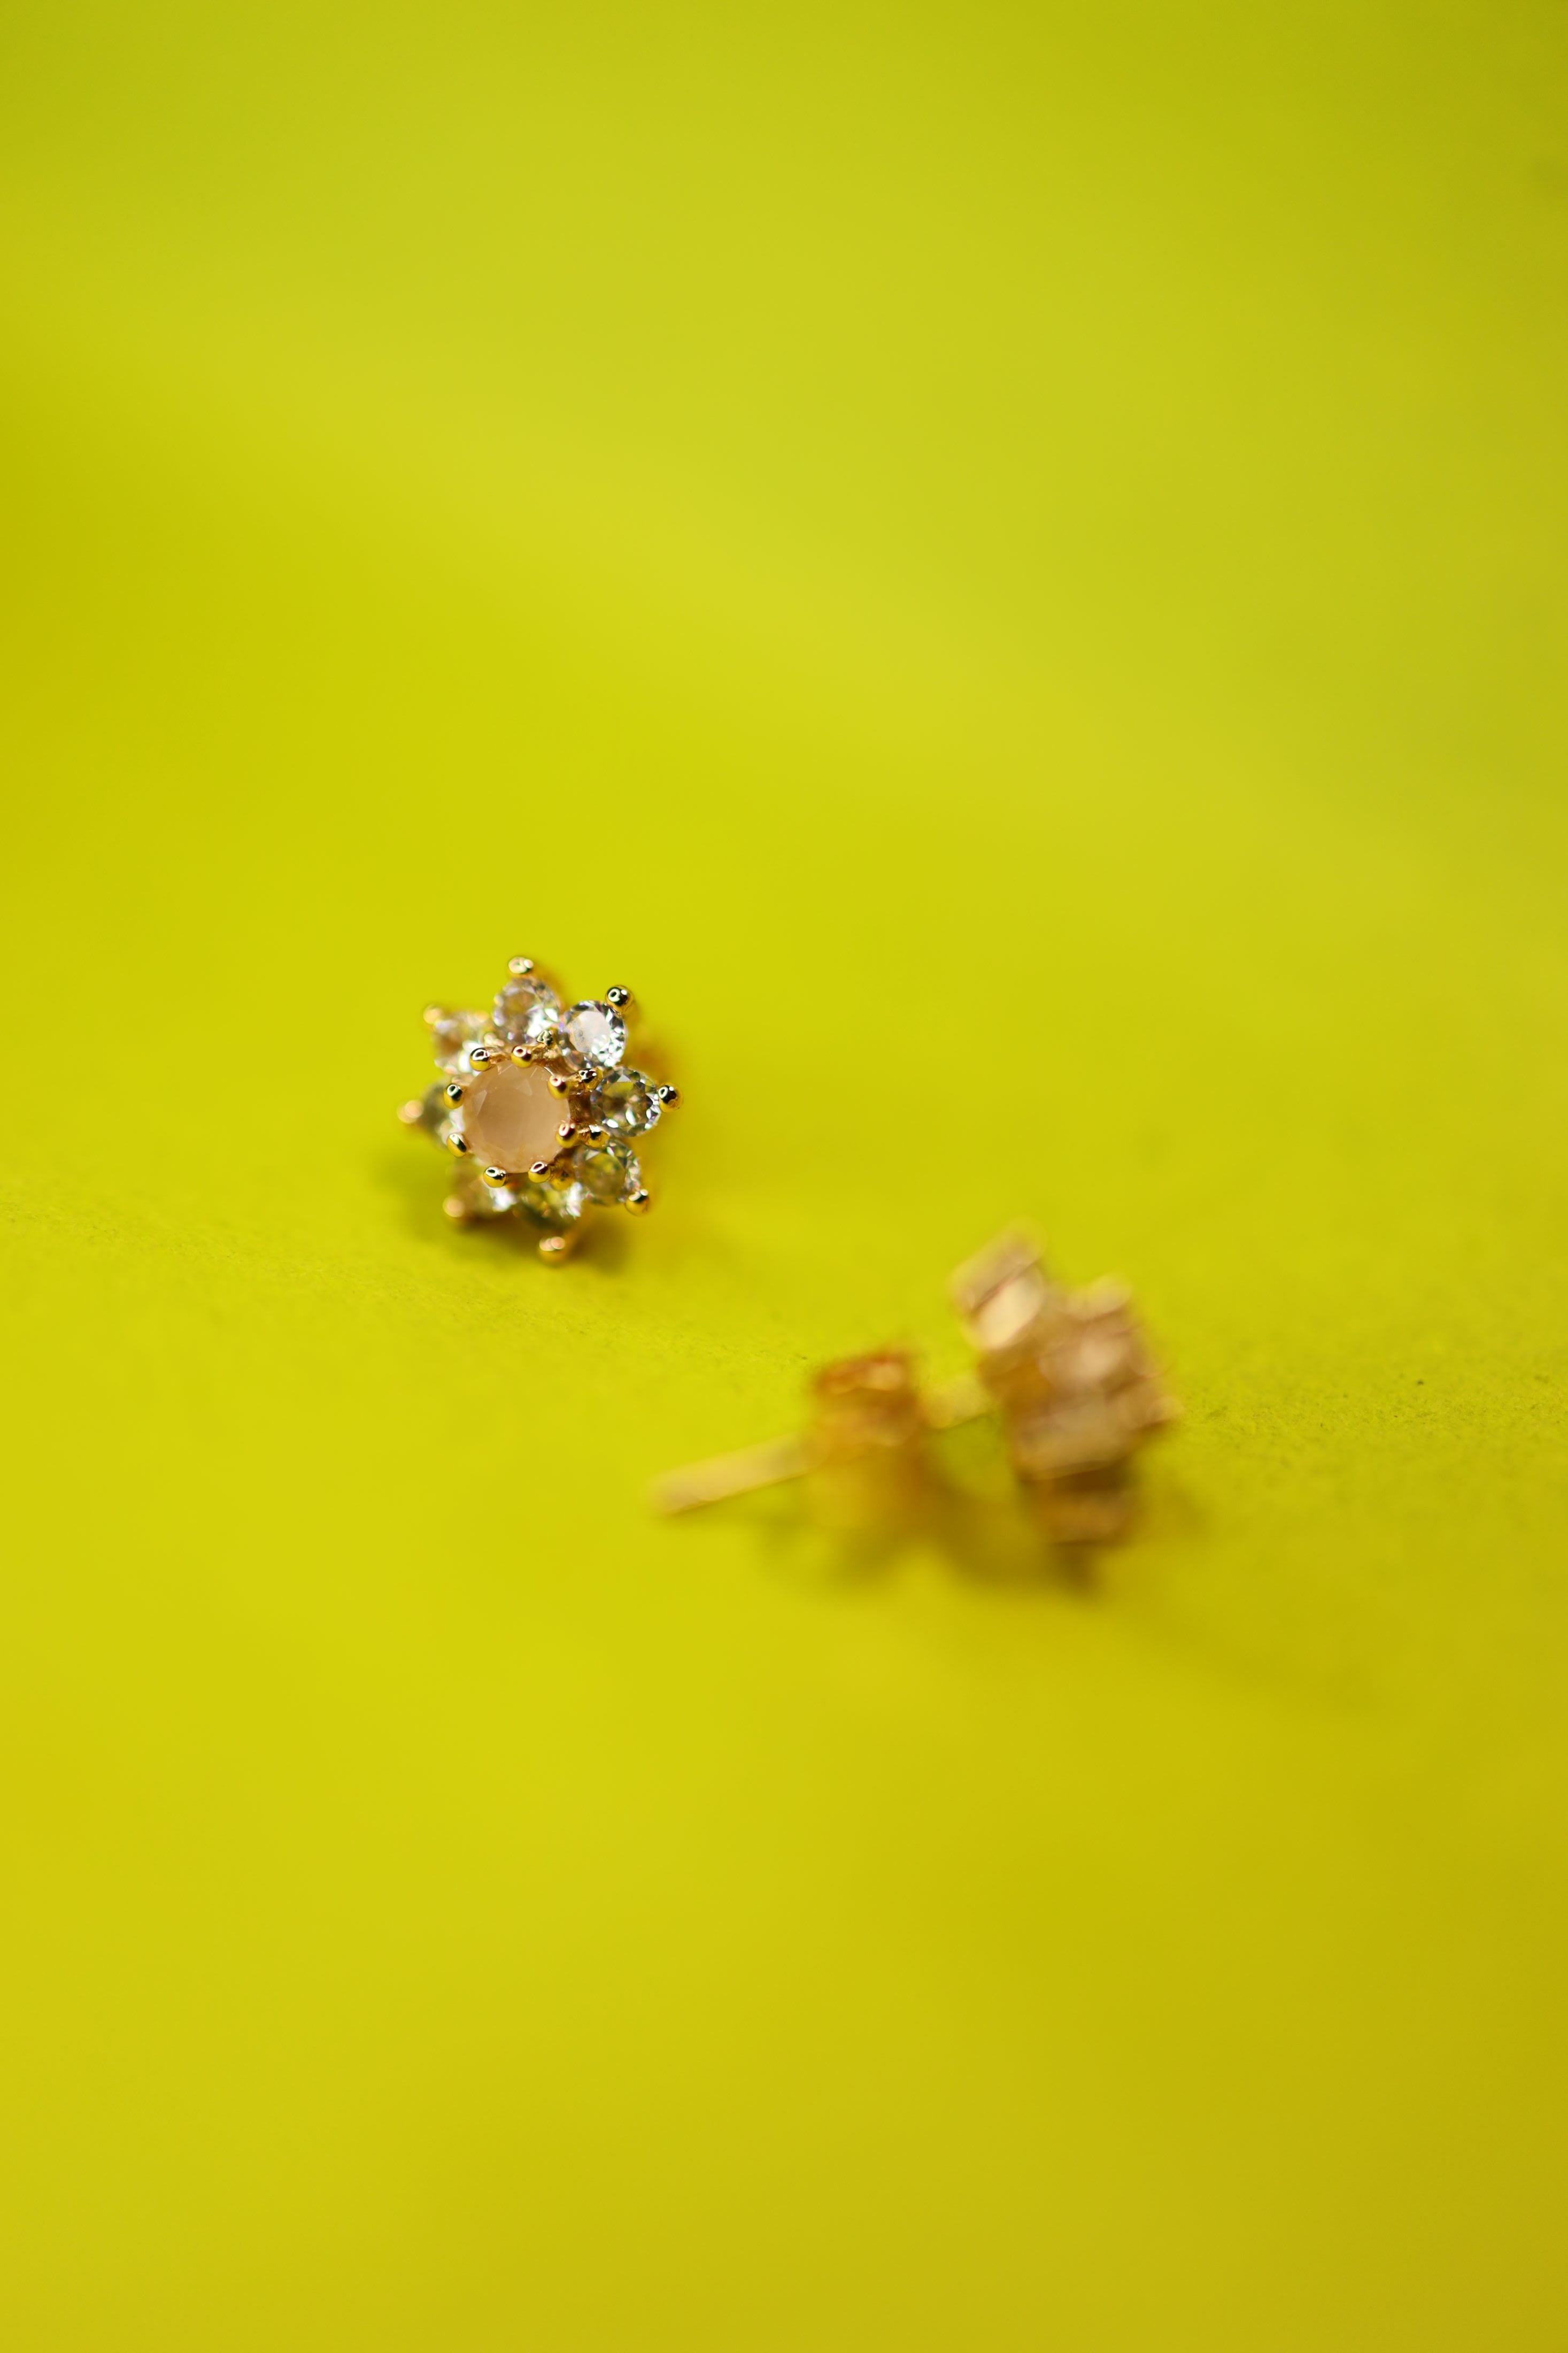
{"points": [[1068, 1374], [1072, 1381], [539, 1105], [868, 1426]]}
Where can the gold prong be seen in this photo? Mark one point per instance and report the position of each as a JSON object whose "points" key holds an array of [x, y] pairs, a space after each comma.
{"points": [[522, 1054], [668, 1096], [540, 1168], [640, 1203], [558, 1085], [411, 1113], [566, 1131], [731, 1474], [519, 966], [595, 1134], [454, 1093], [480, 1056], [459, 1145], [621, 998], [495, 1177]]}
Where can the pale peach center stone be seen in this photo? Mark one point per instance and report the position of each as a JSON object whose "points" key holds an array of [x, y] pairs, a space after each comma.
{"points": [[510, 1118]]}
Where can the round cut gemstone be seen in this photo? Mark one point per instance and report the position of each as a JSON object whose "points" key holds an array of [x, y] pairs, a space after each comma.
{"points": [[526, 1010], [609, 1172], [596, 1031], [451, 1035], [435, 1113], [626, 1103], [471, 1198], [510, 1116], [551, 1204]]}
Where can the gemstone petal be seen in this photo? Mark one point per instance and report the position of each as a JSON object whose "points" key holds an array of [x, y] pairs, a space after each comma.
{"points": [[452, 1034], [608, 1172], [625, 1102], [596, 1031], [552, 1204], [526, 1010], [436, 1114]]}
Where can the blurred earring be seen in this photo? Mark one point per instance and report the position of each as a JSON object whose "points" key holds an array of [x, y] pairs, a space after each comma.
{"points": [[539, 1106], [1068, 1375], [1072, 1381], [866, 1437]]}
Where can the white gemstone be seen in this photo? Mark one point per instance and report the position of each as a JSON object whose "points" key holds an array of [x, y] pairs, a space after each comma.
{"points": [[627, 1104], [596, 1031], [609, 1172], [452, 1035], [525, 1009], [554, 1205], [435, 1113]]}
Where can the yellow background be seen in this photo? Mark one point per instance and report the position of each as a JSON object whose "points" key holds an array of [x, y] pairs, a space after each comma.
{"points": [[1005, 567]]}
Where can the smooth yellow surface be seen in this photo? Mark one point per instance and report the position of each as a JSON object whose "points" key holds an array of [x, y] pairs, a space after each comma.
{"points": [[1005, 568]]}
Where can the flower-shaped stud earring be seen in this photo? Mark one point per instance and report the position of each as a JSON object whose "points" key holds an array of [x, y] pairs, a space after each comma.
{"points": [[539, 1105], [1070, 1375]]}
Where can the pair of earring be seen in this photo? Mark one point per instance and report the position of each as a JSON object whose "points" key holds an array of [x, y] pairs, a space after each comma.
{"points": [[538, 1103], [1068, 1374]]}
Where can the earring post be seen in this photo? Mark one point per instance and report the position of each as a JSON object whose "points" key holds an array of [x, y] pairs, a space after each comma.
{"points": [[714, 1482], [781, 1458]]}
